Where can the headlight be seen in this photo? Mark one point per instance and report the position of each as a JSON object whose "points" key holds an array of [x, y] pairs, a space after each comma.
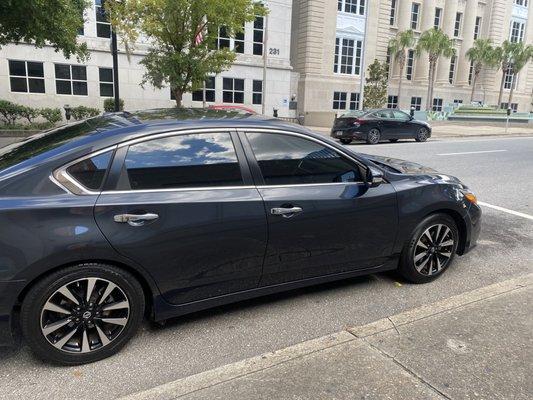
{"points": [[471, 197]]}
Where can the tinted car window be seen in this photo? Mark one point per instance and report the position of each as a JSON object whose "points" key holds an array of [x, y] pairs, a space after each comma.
{"points": [[91, 171], [400, 115], [184, 161], [383, 114], [286, 159]]}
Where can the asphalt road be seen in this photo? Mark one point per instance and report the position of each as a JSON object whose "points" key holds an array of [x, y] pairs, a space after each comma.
{"points": [[499, 171]]}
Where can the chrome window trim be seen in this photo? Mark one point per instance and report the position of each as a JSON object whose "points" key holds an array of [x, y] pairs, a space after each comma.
{"points": [[65, 181], [61, 178]]}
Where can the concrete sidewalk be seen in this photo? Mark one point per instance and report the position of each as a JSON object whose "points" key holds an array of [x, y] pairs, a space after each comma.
{"points": [[477, 345], [449, 129]]}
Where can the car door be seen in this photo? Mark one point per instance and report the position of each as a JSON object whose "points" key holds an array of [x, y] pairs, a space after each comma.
{"points": [[184, 207], [322, 218], [385, 122], [403, 123]]}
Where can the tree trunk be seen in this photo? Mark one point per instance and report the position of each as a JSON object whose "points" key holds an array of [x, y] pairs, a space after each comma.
{"points": [[430, 87], [400, 86], [500, 95], [474, 80], [511, 92], [178, 95]]}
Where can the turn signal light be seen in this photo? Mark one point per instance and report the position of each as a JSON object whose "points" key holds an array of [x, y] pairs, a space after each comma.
{"points": [[471, 197]]}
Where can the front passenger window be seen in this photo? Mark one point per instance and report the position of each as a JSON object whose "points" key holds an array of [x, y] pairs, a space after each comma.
{"points": [[290, 160]]}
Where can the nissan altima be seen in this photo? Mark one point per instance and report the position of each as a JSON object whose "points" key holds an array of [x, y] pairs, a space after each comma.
{"points": [[161, 213]]}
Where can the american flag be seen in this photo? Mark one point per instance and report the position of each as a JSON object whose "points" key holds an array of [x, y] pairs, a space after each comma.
{"points": [[199, 37]]}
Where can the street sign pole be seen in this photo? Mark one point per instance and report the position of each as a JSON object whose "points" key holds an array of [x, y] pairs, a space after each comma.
{"points": [[114, 51]]}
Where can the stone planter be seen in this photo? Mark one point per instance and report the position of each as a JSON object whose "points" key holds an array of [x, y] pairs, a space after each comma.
{"points": [[17, 132]]}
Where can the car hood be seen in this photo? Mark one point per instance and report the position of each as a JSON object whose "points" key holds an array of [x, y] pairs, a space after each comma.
{"points": [[397, 165]]}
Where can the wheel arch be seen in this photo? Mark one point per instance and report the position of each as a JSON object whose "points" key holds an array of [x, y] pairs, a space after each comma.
{"points": [[461, 226]]}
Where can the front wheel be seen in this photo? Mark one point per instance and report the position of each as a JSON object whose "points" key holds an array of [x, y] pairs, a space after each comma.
{"points": [[82, 314], [346, 141], [373, 136], [431, 249], [422, 135]]}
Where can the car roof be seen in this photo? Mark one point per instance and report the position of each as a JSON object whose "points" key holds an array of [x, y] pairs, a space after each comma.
{"points": [[73, 140]]}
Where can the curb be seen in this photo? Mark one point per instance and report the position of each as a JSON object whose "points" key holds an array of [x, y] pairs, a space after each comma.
{"points": [[225, 373]]}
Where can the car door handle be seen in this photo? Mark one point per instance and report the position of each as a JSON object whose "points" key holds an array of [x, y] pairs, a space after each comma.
{"points": [[135, 219], [286, 212]]}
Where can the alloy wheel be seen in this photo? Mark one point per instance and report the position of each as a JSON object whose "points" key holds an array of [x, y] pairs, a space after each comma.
{"points": [[422, 135], [85, 315], [373, 136], [433, 250]]}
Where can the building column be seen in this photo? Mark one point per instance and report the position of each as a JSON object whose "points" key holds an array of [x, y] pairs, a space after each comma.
{"points": [[448, 24], [428, 21], [403, 18], [469, 22]]}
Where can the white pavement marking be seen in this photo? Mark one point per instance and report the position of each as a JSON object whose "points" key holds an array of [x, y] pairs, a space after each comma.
{"points": [[471, 152], [506, 210]]}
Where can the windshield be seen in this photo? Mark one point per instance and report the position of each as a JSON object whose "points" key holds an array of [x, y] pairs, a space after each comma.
{"points": [[41, 143], [353, 114]]}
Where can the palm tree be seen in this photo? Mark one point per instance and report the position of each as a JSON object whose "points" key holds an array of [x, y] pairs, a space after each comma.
{"points": [[436, 43], [398, 47], [519, 58], [482, 53], [503, 55]]}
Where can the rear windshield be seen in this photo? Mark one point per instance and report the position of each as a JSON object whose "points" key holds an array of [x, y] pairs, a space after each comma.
{"points": [[353, 114], [36, 145]]}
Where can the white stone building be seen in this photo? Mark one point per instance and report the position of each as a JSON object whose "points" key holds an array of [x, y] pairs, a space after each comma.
{"points": [[44, 78]]}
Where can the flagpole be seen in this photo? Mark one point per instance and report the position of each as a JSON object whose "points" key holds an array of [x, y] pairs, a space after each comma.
{"points": [[203, 96], [265, 52]]}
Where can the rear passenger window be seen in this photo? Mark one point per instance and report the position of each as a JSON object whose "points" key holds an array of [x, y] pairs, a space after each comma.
{"points": [[288, 160], [183, 161], [91, 171]]}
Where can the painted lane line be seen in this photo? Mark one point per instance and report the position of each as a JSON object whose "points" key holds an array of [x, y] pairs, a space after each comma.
{"points": [[506, 210], [471, 152]]}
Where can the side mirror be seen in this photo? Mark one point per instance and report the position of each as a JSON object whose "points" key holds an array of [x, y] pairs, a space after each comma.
{"points": [[374, 177]]}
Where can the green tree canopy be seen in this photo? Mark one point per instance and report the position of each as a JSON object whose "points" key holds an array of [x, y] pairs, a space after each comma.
{"points": [[375, 95], [177, 58], [481, 54], [437, 44], [40, 22]]}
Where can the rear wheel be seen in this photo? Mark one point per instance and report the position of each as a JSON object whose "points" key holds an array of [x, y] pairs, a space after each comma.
{"points": [[373, 136], [346, 141], [431, 249], [422, 135], [393, 140], [82, 314]]}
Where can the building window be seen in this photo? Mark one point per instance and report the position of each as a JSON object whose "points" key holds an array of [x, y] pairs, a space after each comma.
{"points": [[453, 63], [410, 63], [509, 79], [457, 28], [233, 90], [438, 18], [106, 82], [103, 27], [257, 92], [415, 13], [354, 101], [437, 104], [416, 103], [351, 6], [26, 76], [259, 33], [517, 30], [522, 3], [471, 72], [477, 28], [387, 62], [392, 12], [71, 79], [514, 106], [392, 102], [339, 100], [457, 101], [349, 56], [198, 95], [224, 41]]}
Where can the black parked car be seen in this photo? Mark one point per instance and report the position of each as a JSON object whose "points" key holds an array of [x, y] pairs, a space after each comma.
{"points": [[376, 125], [168, 212]]}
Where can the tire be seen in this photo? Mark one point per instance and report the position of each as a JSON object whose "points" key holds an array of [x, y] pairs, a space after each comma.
{"points": [[95, 337], [422, 135], [419, 265], [346, 141], [373, 136], [393, 140]]}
